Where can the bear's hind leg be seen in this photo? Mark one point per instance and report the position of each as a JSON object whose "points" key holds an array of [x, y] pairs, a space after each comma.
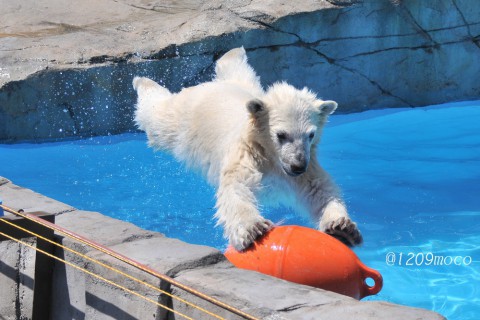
{"points": [[233, 67]]}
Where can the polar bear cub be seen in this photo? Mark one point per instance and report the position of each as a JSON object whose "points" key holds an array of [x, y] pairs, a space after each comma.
{"points": [[257, 147]]}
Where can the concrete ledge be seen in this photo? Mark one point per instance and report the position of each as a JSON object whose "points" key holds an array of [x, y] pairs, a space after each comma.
{"points": [[272, 298], [102, 229], [80, 296], [18, 198]]}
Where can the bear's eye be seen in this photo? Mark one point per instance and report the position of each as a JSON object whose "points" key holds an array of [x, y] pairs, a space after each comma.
{"points": [[282, 136], [311, 135]]}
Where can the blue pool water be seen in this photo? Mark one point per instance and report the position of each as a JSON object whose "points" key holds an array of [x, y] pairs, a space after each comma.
{"points": [[411, 179]]}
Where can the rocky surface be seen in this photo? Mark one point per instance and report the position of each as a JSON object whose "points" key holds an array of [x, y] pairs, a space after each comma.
{"points": [[80, 296], [16, 279], [66, 71]]}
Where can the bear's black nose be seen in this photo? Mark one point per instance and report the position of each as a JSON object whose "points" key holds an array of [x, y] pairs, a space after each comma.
{"points": [[298, 169]]}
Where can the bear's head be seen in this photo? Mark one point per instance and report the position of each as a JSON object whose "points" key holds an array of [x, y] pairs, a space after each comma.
{"points": [[289, 123]]}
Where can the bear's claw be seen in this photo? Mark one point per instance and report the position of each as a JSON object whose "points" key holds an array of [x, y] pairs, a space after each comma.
{"points": [[346, 231], [245, 235]]}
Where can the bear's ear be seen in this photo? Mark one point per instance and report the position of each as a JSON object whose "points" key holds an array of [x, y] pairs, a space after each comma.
{"points": [[256, 108], [326, 107]]}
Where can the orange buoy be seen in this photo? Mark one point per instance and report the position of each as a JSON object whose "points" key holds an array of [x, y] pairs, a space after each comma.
{"points": [[309, 257]]}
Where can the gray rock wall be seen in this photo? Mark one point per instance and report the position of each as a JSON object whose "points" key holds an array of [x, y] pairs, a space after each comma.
{"points": [[16, 280], [69, 73], [77, 295]]}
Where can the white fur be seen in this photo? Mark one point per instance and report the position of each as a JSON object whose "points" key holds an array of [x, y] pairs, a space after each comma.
{"points": [[238, 148]]}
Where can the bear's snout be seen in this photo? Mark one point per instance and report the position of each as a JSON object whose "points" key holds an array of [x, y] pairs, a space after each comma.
{"points": [[296, 161], [298, 169]]}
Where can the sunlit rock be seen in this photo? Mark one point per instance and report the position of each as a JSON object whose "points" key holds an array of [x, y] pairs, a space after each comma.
{"points": [[364, 54]]}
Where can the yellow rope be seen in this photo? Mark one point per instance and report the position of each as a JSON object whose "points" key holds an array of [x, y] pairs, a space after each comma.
{"points": [[132, 263], [95, 275], [112, 269]]}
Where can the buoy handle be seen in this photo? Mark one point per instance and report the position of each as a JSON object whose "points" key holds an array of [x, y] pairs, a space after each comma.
{"points": [[376, 277]]}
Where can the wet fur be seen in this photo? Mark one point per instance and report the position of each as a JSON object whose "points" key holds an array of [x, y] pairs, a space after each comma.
{"points": [[228, 129]]}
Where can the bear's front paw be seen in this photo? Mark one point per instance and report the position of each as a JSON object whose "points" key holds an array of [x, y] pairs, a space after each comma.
{"points": [[245, 234], [345, 230]]}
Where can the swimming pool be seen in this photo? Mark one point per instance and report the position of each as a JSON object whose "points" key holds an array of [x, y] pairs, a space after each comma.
{"points": [[411, 179]]}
